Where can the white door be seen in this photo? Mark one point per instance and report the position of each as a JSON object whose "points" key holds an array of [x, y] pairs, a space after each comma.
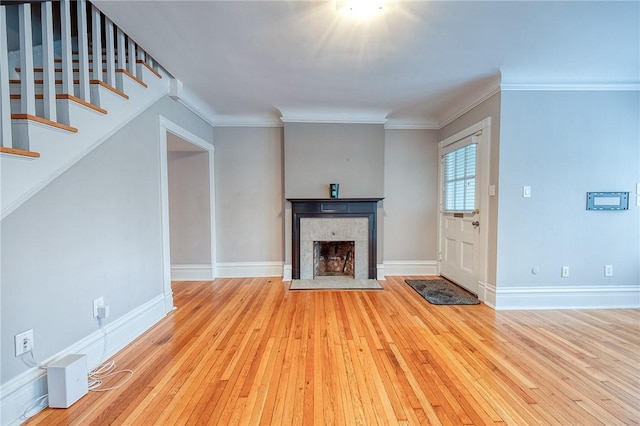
{"points": [[459, 213]]}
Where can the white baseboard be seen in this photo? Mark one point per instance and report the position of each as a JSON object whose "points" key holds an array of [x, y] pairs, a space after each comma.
{"points": [[585, 297], [411, 267], [287, 275], [187, 272], [380, 272], [487, 294], [249, 269], [21, 392]]}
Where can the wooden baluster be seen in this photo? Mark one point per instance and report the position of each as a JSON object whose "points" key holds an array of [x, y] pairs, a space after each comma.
{"points": [[5, 106], [96, 41], [65, 30], [83, 51], [27, 83], [48, 63], [110, 77]]}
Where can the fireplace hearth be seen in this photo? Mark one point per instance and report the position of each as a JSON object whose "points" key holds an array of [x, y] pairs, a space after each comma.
{"points": [[334, 220]]}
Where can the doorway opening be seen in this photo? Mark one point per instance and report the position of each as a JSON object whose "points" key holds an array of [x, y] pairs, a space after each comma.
{"points": [[177, 142]]}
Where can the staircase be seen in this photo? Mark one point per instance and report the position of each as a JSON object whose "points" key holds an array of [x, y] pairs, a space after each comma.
{"points": [[69, 78]]}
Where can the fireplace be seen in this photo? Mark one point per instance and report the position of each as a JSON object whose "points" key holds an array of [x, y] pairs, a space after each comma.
{"points": [[352, 220], [333, 259]]}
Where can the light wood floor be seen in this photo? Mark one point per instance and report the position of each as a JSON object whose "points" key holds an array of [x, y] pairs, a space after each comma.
{"points": [[249, 351]]}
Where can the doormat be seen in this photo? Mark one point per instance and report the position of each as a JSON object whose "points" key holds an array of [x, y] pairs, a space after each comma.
{"points": [[335, 284], [440, 292]]}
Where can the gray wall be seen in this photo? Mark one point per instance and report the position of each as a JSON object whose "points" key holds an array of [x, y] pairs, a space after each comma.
{"points": [[94, 231], [319, 154], [189, 207], [249, 194], [411, 195], [564, 144], [489, 108]]}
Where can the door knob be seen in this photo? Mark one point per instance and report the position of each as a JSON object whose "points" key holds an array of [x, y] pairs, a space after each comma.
{"points": [[475, 223]]}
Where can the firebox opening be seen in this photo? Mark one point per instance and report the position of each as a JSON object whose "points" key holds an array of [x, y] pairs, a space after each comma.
{"points": [[333, 259]]}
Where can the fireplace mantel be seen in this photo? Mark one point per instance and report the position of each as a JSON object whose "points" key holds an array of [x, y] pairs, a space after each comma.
{"points": [[333, 208]]}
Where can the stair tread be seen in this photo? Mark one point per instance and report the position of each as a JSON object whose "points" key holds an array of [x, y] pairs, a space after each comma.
{"points": [[40, 81], [61, 96], [40, 69], [149, 67], [81, 101], [20, 152], [109, 87], [133, 77], [59, 60], [21, 116]]}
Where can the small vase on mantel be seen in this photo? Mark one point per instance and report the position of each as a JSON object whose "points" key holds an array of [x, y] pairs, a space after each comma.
{"points": [[334, 188]]}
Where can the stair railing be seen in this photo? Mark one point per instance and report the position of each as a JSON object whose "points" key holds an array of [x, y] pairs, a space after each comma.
{"points": [[99, 54]]}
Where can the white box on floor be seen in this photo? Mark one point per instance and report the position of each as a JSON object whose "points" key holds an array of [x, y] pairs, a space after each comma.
{"points": [[67, 380]]}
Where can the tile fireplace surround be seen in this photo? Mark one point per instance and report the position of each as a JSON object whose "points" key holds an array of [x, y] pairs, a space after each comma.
{"points": [[334, 229], [335, 219]]}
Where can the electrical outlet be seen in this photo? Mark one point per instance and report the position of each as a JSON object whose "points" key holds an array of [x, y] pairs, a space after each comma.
{"points": [[608, 270], [103, 312], [96, 304], [24, 342], [565, 272]]}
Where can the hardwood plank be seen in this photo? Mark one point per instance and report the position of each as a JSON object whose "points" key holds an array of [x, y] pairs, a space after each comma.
{"points": [[249, 351]]}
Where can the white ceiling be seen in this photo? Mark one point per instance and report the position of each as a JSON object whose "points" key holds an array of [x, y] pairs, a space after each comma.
{"points": [[419, 64]]}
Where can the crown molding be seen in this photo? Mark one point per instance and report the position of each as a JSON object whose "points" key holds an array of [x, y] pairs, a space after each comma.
{"points": [[492, 90], [334, 120], [333, 116], [192, 102], [412, 126], [571, 87], [246, 121]]}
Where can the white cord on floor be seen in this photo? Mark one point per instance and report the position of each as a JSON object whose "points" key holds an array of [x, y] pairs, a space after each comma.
{"points": [[103, 371]]}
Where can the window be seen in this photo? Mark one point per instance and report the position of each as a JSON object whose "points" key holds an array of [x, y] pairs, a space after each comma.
{"points": [[460, 179]]}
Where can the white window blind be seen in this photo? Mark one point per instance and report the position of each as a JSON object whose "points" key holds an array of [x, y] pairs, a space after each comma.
{"points": [[460, 179]]}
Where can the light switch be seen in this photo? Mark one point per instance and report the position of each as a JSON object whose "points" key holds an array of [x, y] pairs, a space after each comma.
{"points": [[526, 191], [492, 190]]}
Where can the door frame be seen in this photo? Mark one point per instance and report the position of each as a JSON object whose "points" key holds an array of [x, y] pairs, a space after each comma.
{"points": [[165, 125], [483, 131]]}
